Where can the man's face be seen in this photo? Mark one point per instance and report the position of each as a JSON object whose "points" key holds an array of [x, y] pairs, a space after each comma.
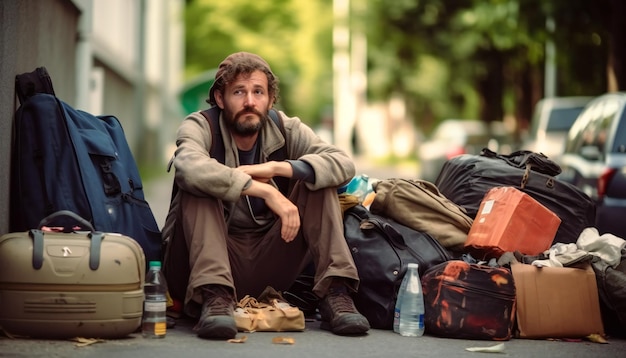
{"points": [[245, 103]]}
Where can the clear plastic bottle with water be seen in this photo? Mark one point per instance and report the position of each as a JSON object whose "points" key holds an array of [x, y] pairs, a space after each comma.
{"points": [[359, 186], [154, 321], [408, 317]]}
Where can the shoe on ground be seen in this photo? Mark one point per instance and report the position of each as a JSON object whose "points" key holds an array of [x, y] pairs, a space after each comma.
{"points": [[339, 315], [217, 319]]}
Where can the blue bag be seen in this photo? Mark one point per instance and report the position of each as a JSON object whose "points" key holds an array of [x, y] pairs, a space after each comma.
{"points": [[67, 159]]}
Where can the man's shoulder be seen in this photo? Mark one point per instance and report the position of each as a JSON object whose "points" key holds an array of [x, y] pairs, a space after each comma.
{"points": [[194, 125]]}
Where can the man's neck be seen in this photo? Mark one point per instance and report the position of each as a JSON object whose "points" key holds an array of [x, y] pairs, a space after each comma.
{"points": [[245, 142]]}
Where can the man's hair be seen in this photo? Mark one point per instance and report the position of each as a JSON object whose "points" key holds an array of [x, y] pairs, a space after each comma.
{"points": [[242, 63]]}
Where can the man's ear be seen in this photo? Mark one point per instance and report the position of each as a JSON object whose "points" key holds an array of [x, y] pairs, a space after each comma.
{"points": [[219, 99]]}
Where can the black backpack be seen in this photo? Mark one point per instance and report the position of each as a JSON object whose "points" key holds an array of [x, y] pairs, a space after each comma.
{"points": [[67, 159]]}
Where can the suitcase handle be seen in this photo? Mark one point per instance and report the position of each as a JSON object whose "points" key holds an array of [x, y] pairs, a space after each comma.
{"points": [[95, 237], [84, 224]]}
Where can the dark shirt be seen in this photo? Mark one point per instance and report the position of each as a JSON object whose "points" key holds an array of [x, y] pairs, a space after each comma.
{"points": [[301, 171]]}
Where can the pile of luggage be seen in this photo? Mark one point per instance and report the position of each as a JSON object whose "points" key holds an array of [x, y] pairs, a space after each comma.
{"points": [[81, 231], [504, 249]]}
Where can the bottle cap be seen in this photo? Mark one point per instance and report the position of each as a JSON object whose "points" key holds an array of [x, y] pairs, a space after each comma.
{"points": [[412, 265], [154, 264]]}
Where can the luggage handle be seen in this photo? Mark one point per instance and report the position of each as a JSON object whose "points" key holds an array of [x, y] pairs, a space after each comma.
{"points": [[391, 234], [523, 159], [84, 224], [95, 237]]}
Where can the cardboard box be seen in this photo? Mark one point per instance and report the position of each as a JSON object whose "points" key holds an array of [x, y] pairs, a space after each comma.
{"points": [[510, 220], [556, 302]]}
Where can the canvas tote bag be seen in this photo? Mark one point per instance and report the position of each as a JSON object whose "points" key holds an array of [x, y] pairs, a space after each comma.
{"points": [[270, 313], [419, 205]]}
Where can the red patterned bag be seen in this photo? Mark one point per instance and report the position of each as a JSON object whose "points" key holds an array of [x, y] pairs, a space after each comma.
{"points": [[469, 301]]}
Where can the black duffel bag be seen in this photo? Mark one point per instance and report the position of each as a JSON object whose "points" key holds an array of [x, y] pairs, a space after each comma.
{"points": [[465, 179], [382, 249]]}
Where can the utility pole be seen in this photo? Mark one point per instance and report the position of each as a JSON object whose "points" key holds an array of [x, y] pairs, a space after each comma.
{"points": [[549, 85], [344, 102]]}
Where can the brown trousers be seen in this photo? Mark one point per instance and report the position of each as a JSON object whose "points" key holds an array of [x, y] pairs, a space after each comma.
{"points": [[250, 263]]}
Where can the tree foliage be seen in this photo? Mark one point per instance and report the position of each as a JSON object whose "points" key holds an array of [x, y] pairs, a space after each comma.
{"points": [[463, 58], [490, 54], [293, 36]]}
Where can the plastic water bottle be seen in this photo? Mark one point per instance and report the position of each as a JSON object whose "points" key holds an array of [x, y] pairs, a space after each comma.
{"points": [[154, 321], [359, 186], [409, 311], [396, 312]]}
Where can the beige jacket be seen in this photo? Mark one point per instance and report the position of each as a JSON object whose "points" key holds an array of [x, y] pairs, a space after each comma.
{"points": [[200, 174]]}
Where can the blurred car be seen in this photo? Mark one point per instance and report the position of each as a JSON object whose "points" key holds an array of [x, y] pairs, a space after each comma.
{"points": [[595, 159], [452, 137], [552, 119]]}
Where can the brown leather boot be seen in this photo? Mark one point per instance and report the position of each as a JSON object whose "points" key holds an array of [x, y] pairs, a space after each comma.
{"points": [[339, 314], [217, 318]]}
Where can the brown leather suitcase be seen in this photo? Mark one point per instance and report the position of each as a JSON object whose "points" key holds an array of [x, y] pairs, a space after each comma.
{"points": [[510, 220], [70, 284]]}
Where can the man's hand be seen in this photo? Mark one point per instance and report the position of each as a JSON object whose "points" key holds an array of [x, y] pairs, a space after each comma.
{"points": [[288, 214], [279, 204]]}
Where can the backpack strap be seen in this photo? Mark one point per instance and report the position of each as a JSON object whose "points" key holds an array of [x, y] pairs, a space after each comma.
{"points": [[30, 83]]}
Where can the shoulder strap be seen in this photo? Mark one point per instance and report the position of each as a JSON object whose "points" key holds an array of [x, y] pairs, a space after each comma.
{"points": [[280, 154], [212, 116]]}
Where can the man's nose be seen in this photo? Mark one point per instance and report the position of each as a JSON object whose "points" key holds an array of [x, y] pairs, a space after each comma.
{"points": [[249, 100]]}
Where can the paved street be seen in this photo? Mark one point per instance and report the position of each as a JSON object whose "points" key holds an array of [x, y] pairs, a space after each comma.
{"points": [[313, 342]]}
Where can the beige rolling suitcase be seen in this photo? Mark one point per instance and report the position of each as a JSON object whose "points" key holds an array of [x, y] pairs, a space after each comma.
{"points": [[70, 284]]}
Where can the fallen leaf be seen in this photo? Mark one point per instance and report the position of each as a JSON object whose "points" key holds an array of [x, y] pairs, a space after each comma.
{"points": [[498, 348], [283, 340], [238, 340], [597, 338], [83, 342]]}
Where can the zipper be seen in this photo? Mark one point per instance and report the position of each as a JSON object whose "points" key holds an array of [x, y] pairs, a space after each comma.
{"points": [[480, 291]]}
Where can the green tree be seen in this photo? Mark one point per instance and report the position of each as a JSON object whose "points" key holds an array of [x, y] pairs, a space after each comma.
{"points": [[462, 58], [490, 52], [293, 36]]}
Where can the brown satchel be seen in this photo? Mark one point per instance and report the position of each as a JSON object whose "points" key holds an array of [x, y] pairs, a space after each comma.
{"points": [[419, 205], [270, 313]]}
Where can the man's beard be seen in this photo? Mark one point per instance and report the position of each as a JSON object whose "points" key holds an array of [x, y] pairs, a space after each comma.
{"points": [[244, 129]]}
